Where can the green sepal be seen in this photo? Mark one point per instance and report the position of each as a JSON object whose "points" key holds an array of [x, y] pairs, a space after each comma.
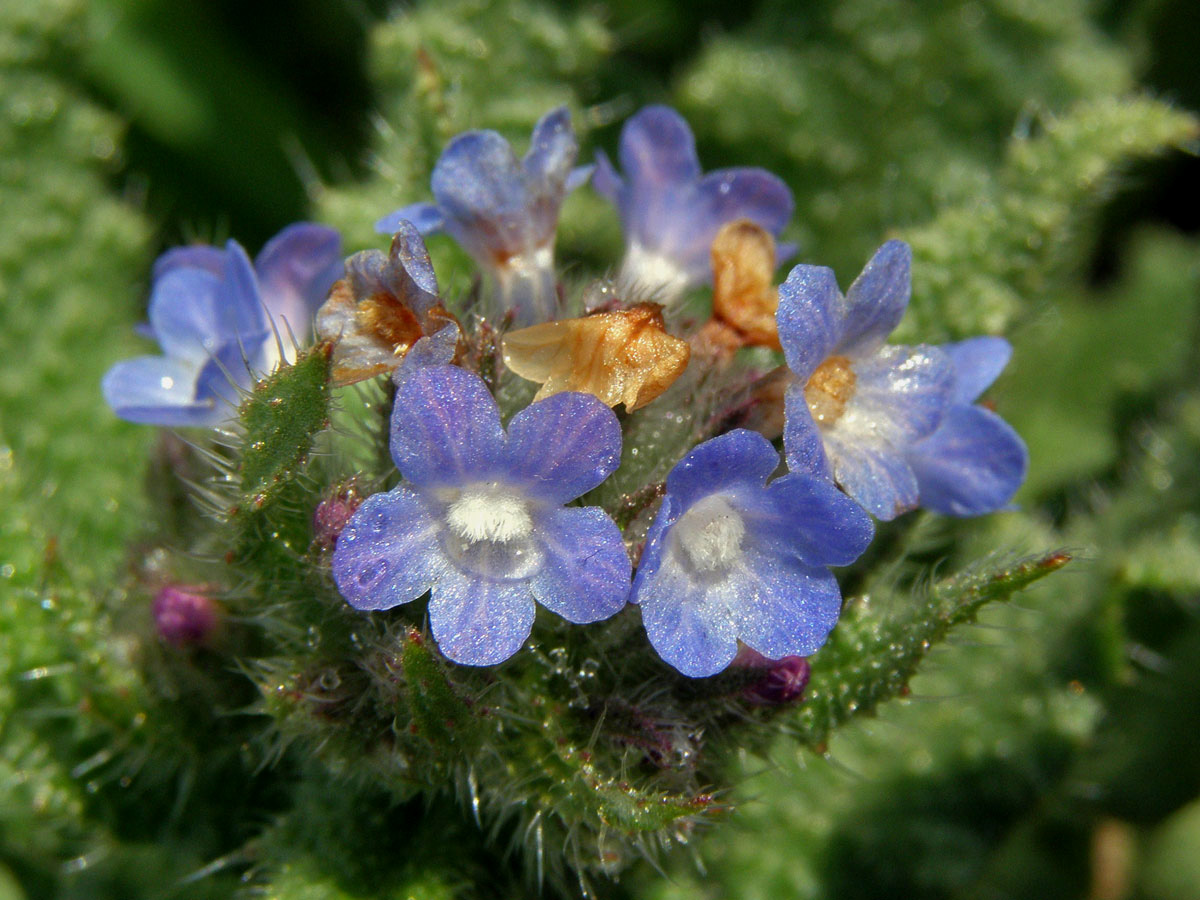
{"points": [[870, 658], [281, 417], [438, 713]]}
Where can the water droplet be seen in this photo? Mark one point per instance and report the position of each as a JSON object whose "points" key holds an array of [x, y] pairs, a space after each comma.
{"points": [[372, 574], [379, 522], [330, 680]]}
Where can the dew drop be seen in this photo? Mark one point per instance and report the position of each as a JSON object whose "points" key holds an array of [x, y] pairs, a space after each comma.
{"points": [[372, 574]]}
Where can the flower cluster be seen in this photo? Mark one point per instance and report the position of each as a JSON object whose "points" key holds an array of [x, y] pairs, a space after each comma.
{"points": [[501, 503]]}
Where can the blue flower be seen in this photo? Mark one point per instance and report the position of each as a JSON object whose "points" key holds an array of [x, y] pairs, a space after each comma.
{"points": [[974, 462], [504, 211], [670, 211], [730, 557], [480, 522], [858, 406], [218, 320]]}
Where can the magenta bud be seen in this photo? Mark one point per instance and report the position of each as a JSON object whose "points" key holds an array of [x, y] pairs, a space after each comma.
{"points": [[782, 681], [185, 615], [332, 514]]}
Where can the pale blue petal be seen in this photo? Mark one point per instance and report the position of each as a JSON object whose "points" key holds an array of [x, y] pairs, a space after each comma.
{"points": [[782, 607], [437, 349], [658, 157], [192, 256], [900, 393], [813, 521], [977, 363], [585, 577], [185, 314], [157, 390], [563, 446], [875, 474], [426, 217], [608, 184], [295, 271], [811, 318], [579, 177], [388, 553], [717, 199], [552, 151], [480, 188], [241, 308], [877, 300], [480, 621], [973, 463], [736, 460], [802, 440], [446, 428], [668, 514], [689, 627]]}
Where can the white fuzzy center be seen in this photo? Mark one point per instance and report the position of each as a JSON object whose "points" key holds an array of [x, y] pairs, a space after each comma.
{"points": [[660, 278], [711, 533], [489, 513]]}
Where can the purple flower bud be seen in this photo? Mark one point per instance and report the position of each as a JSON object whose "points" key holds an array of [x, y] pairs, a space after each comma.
{"points": [[783, 682], [185, 615], [332, 514]]}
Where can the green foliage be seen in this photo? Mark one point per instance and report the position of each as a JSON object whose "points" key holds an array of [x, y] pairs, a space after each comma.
{"points": [[309, 752], [870, 658]]}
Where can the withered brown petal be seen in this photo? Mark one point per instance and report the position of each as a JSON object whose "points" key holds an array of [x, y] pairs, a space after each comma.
{"points": [[370, 336], [744, 294], [625, 356]]}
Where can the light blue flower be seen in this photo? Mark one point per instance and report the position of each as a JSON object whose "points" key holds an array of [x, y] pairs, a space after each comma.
{"points": [[731, 557], [219, 320], [479, 522], [670, 211], [858, 406], [974, 462], [504, 211]]}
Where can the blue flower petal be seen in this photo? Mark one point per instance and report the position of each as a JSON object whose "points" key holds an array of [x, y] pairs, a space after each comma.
{"points": [[900, 394], [388, 553], [876, 475], [803, 443], [295, 270], [719, 198], [446, 428], [405, 272], [813, 521], [426, 217], [563, 446], [977, 363], [579, 177], [438, 349], [658, 157], [811, 318], [736, 459], [552, 151], [585, 577], [241, 307], [973, 463], [690, 629], [877, 300], [607, 183], [186, 315], [782, 606], [480, 188], [193, 256], [158, 390], [480, 621]]}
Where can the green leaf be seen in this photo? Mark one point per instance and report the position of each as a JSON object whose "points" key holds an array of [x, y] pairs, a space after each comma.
{"points": [[870, 658]]}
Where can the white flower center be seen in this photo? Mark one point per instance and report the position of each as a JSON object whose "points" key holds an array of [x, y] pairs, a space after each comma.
{"points": [[657, 276], [489, 513], [711, 533]]}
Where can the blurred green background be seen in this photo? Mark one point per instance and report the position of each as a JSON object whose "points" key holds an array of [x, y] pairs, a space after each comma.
{"points": [[1038, 157]]}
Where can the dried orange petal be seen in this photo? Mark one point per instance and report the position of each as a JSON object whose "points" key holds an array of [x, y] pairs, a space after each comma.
{"points": [[744, 294], [624, 356]]}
